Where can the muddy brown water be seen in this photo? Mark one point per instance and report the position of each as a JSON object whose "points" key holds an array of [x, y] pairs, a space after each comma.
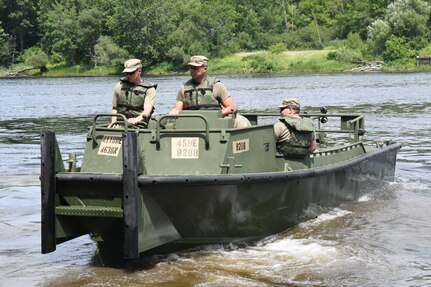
{"points": [[381, 239]]}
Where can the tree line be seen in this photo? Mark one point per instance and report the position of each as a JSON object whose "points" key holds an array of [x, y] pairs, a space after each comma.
{"points": [[106, 32]]}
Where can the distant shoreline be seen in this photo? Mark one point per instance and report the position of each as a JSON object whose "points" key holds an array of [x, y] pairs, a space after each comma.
{"points": [[258, 62]]}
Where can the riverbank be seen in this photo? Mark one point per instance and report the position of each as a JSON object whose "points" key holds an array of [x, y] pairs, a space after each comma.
{"points": [[288, 62]]}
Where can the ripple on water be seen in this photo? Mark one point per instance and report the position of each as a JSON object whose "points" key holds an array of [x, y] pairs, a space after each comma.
{"points": [[380, 240]]}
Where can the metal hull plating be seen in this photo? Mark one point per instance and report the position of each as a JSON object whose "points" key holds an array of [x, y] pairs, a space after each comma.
{"points": [[257, 205]]}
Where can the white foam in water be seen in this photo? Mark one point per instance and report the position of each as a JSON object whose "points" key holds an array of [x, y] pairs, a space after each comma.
{"points": [[364, 198], [411, 184], [331, 215], [301, 248], [278, 261], [281, 254]]}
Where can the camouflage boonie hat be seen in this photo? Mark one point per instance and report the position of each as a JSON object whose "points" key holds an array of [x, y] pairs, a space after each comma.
{"points": [[132, 65], [198, 61], [290, 102]]}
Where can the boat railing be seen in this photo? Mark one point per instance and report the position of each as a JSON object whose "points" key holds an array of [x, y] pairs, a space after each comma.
{"points": [[351, 124], [95, 126], [160, 120]]}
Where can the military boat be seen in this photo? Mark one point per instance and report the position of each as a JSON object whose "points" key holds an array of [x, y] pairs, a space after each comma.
{"points": [[193, 178]]}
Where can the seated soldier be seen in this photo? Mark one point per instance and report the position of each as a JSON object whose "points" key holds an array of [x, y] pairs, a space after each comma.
{"points": [[294, 134], [133, 97], [203, 92]]}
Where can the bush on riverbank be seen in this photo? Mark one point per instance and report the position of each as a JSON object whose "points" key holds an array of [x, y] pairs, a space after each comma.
{"points": [[241, 63], [264, 62], [315, 61], [64, 71], [81, 70]]}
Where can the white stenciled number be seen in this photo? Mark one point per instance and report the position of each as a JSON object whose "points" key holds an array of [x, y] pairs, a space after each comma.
{"points": [[110, 146], [185, 148]]}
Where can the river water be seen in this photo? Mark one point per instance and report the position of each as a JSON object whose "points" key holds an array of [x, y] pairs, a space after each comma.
{"points": [[382, 239]]}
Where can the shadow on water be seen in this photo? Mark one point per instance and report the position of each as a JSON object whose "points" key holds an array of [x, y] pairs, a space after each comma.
{"points": [[27, 131]]}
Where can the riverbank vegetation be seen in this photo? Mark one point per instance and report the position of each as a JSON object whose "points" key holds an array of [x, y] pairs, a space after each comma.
{"points": [[83, 37]]}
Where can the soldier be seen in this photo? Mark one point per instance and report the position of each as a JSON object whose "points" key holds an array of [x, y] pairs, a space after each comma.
{"points": [[202, 92], [294, 134], [133, 96]]}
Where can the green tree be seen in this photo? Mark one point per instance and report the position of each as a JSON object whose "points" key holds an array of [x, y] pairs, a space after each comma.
{"points": [[212, 33], [6, 48], [35, 57], [60, 31], [170, 31], [354, 42], [260, 24], [410, 19], [106, 52], [71, 29], [378, 33], [177, 58], [397, 49], [20, 21], [406, 19], [356, 16], [142, 28], [89, 29]]}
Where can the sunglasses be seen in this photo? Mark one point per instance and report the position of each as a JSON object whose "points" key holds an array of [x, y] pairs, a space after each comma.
{"points": [[192, 68], [130, 73]]}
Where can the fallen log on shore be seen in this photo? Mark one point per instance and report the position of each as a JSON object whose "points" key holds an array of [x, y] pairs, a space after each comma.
{"points": [[16, 73]]}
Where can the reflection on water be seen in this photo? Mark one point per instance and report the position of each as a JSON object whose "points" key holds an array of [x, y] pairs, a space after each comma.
{"points": [[27, 131], [382, 239]]}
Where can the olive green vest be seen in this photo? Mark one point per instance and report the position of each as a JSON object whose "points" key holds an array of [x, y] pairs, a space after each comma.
{"points": [[132, 97], [301, 135], [201, 96]]}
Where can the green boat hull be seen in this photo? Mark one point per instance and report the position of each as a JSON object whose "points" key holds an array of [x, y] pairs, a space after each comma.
{"points": [[145, 198]]}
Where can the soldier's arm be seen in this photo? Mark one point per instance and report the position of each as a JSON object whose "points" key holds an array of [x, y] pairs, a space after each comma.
{"points": [[114, 105], [228, 104], [150, 100], [179, 104]]}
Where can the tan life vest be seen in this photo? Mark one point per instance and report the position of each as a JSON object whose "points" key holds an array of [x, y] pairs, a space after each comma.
{"points": [[200, 96], [301, 134], [132, 97]]}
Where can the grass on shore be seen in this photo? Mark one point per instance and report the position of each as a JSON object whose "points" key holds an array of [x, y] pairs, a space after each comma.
{"points": [[59, 71], [265, 62], [288, 62], [78, 70]]}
